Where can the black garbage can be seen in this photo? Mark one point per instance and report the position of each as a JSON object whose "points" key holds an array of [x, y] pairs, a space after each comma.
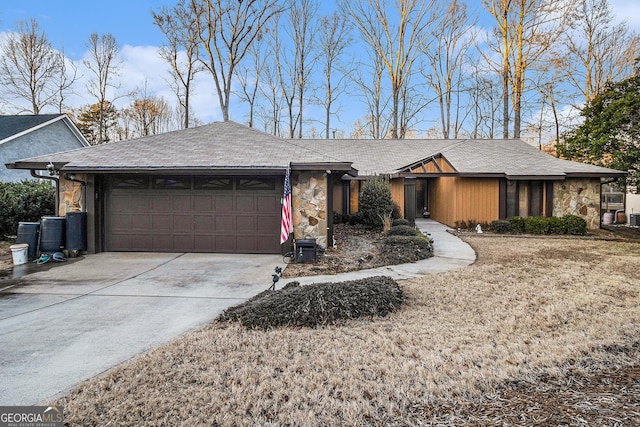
{"points": [[305, 251], [52, 234], [28, 233], [76, 231]]}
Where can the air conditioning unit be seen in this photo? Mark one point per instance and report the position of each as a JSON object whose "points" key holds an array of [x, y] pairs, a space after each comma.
{"points": [[634, 220]]}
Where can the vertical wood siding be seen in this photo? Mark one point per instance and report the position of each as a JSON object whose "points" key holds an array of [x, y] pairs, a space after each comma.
{"points": [[397, 193], [464, 199]]}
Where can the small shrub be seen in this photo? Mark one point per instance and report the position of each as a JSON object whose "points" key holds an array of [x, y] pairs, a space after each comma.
{"points": [[375, 201], [405, 249], [402, 230], [355, 219], [575, 225], [536, 225], [500, 226], [28, 200], [319, 304], [517, 224], [400, 221], [395, 214], [556, 225]]}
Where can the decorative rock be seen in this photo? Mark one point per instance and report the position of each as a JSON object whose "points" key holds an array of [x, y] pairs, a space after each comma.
{"points": [[313, 220]]}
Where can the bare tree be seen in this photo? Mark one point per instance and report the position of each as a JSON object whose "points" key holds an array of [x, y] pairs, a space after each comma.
{"points": [[249, 80], [599, 50], [226, 29], [527, 29], [396, 38], [149, 115], [334, 39], [303, 17], [181, 51], [453, 39], [29, 66], [272, 93], [370, 88], [103, 64], [66, 78], [286, 68]]}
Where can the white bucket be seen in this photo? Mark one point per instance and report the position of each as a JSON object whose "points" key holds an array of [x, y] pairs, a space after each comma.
{"points": [[607, 218], [19, 253]]}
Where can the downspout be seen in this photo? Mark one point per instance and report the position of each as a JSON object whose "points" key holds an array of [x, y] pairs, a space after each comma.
{"points": [[53, 178], [71, 177]]}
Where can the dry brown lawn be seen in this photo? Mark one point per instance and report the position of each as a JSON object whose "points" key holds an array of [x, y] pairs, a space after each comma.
{"points": [[526, 310]]}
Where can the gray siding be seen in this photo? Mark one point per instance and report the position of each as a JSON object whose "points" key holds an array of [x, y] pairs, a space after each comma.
{"points": [[52, 138]]}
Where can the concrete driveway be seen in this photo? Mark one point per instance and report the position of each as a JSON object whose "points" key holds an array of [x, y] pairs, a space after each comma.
{"points": [[76, 320]]}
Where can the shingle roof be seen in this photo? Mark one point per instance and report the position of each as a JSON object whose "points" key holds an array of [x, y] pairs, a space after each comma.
{"points": [[231, 146], [12, 125], [221, 145], [509, 157]]}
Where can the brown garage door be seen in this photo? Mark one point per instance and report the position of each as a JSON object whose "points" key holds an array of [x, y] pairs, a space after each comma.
{"points": [[193, 214]]}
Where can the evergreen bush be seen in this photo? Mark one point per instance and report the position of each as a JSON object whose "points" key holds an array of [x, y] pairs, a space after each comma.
{"points": [[402, 230], [400, 221], [500, 226], [376, 201], [575, 225], [28, 200]]}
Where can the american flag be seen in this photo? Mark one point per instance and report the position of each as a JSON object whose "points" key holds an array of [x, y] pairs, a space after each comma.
{"points": [[285, 225]]}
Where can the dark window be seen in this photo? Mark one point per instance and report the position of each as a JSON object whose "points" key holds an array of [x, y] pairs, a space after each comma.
{"points": [[512, 199], [172, 182], [132, 182], [523, 198], [213, 183], [535, 198], [256, 184]]}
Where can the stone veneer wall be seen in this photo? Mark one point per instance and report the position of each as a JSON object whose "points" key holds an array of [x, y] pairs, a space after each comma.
{"points": [[578, 196], [71, 195], [309, 206]]}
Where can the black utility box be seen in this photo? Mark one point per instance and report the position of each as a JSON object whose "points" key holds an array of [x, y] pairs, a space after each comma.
{"points": [[634, 219], [305, 250]]}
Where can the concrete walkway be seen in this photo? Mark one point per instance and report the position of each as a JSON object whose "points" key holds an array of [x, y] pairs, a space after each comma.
{"points": [[450, 253]]}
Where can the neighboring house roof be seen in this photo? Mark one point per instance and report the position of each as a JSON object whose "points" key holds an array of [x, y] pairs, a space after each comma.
{"points": [[12, 127], [511, 158], [228, 146], [216, 147]]}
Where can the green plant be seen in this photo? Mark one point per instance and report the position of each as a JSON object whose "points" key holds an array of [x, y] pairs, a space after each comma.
{"points": [[354, 219], [376, 201], [536, 225], [517, 224], [402, 230], [556, 225], [400, 221], [500, 226], [404, 249], [575, 225], [28, 200], [319, 304]]}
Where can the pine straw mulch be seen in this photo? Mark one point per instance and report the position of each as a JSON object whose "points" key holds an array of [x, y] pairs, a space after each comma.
{"points": [[358, 247], [542, 332]]}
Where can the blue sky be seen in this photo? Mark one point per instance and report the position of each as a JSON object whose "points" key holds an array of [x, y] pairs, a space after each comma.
{"points": [[68, 24]]}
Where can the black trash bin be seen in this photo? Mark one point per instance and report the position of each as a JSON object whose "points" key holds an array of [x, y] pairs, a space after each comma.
{"points": [[52, 234], [28, 233], [305, 250], [76, 231]]}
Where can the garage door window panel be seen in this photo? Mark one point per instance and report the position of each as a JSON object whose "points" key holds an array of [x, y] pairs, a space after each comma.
{"points": [[266, 184], [213, 183], [172, 183]]}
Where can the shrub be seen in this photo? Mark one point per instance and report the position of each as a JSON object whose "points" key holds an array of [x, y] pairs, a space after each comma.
{"points": [[319, 304], [28, 200], [517, 224], [355, 219], [575, 225], [536, 225], [404, 249], [402, 230], [500, 226], [400, 221], [375, 201], [556, 225]]}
